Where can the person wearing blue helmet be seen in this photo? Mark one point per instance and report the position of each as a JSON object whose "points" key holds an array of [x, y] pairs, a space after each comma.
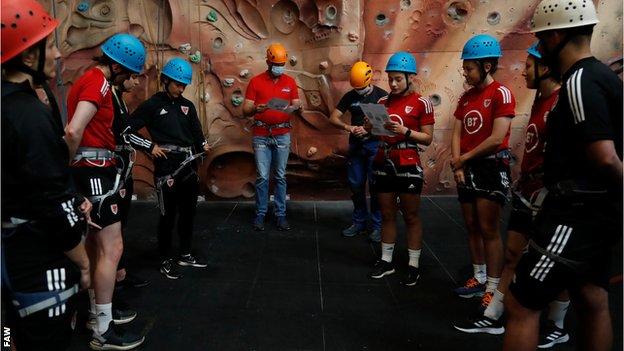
{"points": [[580, 219], [397, 169], [91, 144], [480, 160], [526, 195], [177, 140]]}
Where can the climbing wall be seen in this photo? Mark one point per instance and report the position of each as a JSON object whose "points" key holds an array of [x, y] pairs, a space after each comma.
{"points": [[226, 41]]}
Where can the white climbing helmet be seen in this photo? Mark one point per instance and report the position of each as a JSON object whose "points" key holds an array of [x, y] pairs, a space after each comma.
{"points": [[562, 14]]}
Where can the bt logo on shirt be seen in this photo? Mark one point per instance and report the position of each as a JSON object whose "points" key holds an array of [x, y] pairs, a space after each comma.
{"points": [[473, 121], [532, 138]]}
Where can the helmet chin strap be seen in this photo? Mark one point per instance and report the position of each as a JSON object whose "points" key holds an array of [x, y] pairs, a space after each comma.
{"points": [[407, 84], [482, 73]]}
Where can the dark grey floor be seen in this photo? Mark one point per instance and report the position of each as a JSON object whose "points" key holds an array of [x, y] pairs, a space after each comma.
{"points": [[306, 289]]}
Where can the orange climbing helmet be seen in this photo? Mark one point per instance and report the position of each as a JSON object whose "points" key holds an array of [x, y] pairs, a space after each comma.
{"points": [[276, 53], [361, 75], [24, 24]]}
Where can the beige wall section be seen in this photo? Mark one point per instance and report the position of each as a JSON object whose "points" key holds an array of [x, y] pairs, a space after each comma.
{"points": [[227, 40]]}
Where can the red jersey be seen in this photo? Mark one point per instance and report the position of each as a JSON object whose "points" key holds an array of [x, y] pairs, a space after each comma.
{"points": [[92, 86], [412, 111], [478, 108], [261, 89], [536, 133]]}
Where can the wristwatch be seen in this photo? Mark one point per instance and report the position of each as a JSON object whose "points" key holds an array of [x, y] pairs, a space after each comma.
{"points": [[408, 133]]}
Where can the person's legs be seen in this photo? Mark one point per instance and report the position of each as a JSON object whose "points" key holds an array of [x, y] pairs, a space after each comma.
{"points": [[474, 285], [488, 214], [384, 266], [166, 222], [375, 211], [109, 246], [592, 304], [280, 151], [262, 155], [410, 205], [187, 204], [356, 178], [522, 327]]}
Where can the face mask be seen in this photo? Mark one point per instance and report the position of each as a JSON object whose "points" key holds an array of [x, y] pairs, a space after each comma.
{"points": [[364, 91], [277, 70]]}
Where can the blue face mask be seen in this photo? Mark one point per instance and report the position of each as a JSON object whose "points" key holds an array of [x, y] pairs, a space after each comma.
{"points": [[277, 70]]}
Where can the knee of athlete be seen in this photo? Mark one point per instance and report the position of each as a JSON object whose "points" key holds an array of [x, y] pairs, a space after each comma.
{"points": [[411, 218], [490, 232], [262, 177], [387, 215], [512, 256]]}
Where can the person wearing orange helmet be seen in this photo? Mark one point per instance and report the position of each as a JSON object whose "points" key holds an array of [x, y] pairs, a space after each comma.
{"points": [[43, 217], [580, 218], [362, 149], [271, 131]]}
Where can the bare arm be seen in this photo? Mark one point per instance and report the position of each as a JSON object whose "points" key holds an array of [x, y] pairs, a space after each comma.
{"points": [[74, 130], [334, 119], [603, 157], [456, 150], [492, 143], [424, 137]]}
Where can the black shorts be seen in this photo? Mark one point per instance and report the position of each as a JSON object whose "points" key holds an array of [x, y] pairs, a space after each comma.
{"points": [[580, 233], [406, 180], [92, 183], [521, 216], [485, 178]]}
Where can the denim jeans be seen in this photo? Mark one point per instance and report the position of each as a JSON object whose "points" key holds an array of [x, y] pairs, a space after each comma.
{"points": [[359, 171], [271, 152]]}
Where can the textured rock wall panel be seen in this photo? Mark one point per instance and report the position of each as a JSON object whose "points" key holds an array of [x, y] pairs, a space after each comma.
{"points": [[226, 40]]}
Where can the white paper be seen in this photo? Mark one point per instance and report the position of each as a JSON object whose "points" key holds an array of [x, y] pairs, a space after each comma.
{"points": [[378, 117]]}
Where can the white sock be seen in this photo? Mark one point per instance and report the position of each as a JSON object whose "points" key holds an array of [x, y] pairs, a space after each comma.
{"points": [[492, 284], [386, 252], [557, 312], [480, 273], [414, 257], [104, 316], [495, 308], [91, 301]]}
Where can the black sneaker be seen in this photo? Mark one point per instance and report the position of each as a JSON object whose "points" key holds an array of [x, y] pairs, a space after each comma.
{"points": [[189, 261], [282, 223], [550, 335], [375, 236], [480, 324], [381, 269], [123, 316], [120, 316], [413, 274], [132, 281], [115, 338], [258, 223], [168, 270], [353, 230]]}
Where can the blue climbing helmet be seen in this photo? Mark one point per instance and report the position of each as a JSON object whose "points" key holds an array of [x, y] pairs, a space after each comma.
{"points": [[402, 62], [480, 47], [179, 70], [533, 51], [126, 50]]}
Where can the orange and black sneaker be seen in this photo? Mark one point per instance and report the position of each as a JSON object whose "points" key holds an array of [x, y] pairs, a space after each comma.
{"points": [[471, 288]]}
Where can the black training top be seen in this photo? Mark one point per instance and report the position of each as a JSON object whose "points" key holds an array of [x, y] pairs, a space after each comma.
{"points": [[351, 102], [36, 184], [169, 121], [589, 110], [120, 125]]}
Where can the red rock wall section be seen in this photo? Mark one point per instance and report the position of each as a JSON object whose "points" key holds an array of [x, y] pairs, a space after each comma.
{"points": [[227, 40]]}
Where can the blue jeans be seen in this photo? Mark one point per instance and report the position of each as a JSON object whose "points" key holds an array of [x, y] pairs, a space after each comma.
{"points": [[359, 170], [271, 152]]}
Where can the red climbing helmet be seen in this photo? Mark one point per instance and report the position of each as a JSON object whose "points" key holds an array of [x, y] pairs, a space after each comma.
{"points": [[24, 23]]}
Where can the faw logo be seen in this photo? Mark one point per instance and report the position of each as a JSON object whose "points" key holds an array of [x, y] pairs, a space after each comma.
{"points": [[473, 121], [532, 138]]}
